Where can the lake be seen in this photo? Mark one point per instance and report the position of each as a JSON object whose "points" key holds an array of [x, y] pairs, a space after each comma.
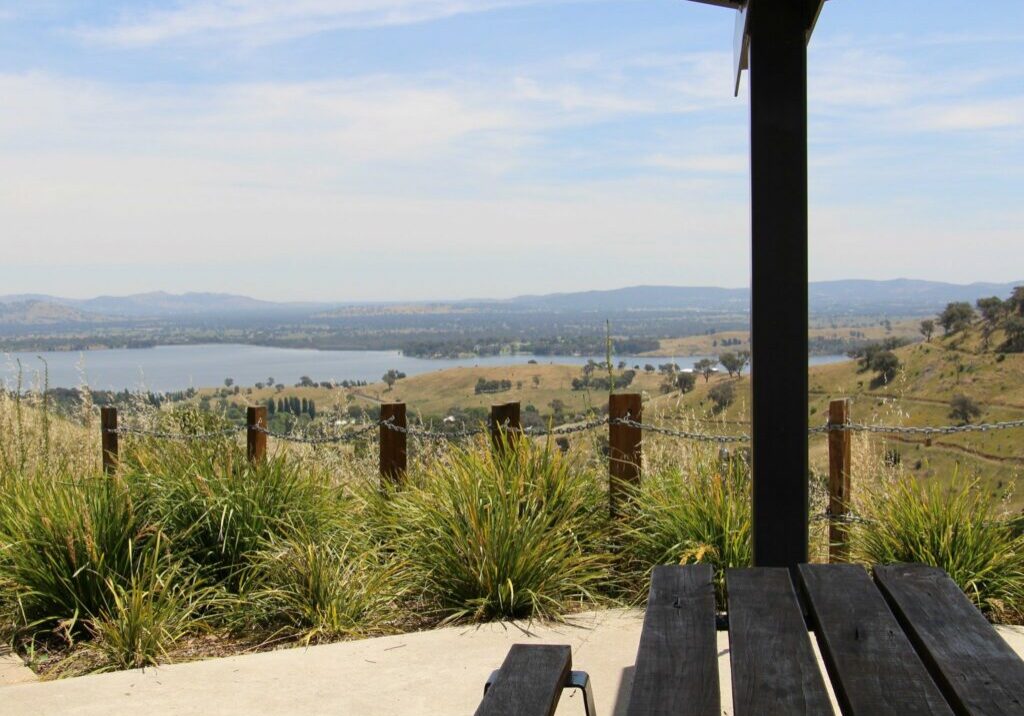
{"points": [[168, 368]]}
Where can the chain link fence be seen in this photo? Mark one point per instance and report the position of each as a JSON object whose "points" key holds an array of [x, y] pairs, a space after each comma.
{"points": [[462, 433], [425, 433]]}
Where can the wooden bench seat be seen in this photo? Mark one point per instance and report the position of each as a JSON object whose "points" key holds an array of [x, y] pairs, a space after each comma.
{"points": [[529, 683], [974, 667], [774, 669], [677, 660], [871, 663]]}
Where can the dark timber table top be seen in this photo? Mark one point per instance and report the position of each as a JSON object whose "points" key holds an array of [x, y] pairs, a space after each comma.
{"points": [[900, 640]]}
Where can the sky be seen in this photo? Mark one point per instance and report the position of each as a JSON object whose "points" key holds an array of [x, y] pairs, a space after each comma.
{"points": [[430, 149]]}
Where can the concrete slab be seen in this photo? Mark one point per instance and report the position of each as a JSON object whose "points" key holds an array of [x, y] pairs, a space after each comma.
{"points": [[434, 672], [13, 669]]}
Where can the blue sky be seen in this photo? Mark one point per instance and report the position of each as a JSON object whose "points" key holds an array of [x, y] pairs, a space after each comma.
{"points": [[404, 149]]}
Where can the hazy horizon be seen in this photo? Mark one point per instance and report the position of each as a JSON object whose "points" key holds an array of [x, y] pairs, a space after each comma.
{"points": [[453, 299], [400, 150]]}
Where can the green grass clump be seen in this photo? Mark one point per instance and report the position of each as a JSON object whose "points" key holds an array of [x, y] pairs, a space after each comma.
{"points": [[68, 545], [222, 510], [509, 534], [323, 587], [148, 617], [697, 512], [957, 529]]}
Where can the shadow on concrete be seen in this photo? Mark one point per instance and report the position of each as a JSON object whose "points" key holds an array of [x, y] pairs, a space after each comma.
{"points": [[625, 689]]}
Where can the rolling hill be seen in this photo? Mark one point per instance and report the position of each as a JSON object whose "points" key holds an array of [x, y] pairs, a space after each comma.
{"points": [[854, 296], [898, 297]]}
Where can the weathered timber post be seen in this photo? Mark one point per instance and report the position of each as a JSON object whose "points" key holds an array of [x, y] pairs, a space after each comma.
{"points": [[255, 437], [393, 451], [771, 41], [839, 442], [624, 447], [778, 314], [108, 439], [505, 425]]}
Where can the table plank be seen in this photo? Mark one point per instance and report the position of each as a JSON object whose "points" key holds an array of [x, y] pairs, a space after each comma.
{"points": [[774, 670], [976, 669], [677, 660], [529, 683], [871, 662]]}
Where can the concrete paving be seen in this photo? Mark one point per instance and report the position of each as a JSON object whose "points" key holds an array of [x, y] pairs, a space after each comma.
{"points": [[13, 669], [434, 672]]}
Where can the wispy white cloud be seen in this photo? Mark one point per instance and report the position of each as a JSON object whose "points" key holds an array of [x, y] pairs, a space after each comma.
{"points": [[700, 163], [971, 115], [267, 21]]}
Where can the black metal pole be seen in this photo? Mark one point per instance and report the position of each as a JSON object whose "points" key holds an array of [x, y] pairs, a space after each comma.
{"points": [[778, 151]]}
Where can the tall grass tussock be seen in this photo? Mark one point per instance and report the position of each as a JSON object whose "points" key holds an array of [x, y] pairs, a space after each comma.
{"points": [[685, 514], [958, 529], [517, 532]]}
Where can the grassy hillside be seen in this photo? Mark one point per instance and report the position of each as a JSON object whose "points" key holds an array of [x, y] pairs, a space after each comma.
{"points": [[930, 374], [433, 395], [855, 330]]}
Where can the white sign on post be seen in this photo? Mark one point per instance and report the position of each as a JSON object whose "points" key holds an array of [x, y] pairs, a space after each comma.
{"points": [[741, 37], [741, 45]]}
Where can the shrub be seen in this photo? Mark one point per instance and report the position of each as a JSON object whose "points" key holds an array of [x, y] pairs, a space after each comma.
{"points": [[515, 533], [964, 408], [885, 363], [957, 530], [722, 396], [700, 513]]}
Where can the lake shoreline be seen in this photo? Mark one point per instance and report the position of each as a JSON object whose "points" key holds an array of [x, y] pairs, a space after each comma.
{"points": [[169, 368]]}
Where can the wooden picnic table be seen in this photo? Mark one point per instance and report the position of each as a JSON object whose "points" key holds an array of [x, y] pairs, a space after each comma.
{"points": [[907, 641]]}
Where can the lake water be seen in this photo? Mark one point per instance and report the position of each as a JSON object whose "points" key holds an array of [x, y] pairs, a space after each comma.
{"points": [[167, 368]]}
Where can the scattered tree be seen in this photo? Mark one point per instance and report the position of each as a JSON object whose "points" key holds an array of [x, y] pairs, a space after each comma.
{"points": [[685, 382], [734, 362], [956, 317], [228, 382], [927, 329], [392, 376], [705, 366], [1015, 303], [1014, 328], [991, 309]]}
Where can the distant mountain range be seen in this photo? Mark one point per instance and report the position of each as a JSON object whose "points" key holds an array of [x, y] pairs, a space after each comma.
{"points": [[156, 304], [896, 296], [854, 296]]}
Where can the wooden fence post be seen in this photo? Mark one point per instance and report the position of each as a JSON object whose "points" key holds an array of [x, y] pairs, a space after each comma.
{"points": [[393, 455], [839, 442], [255, 438], [624, 446], [505, 425], [108, 439]]}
